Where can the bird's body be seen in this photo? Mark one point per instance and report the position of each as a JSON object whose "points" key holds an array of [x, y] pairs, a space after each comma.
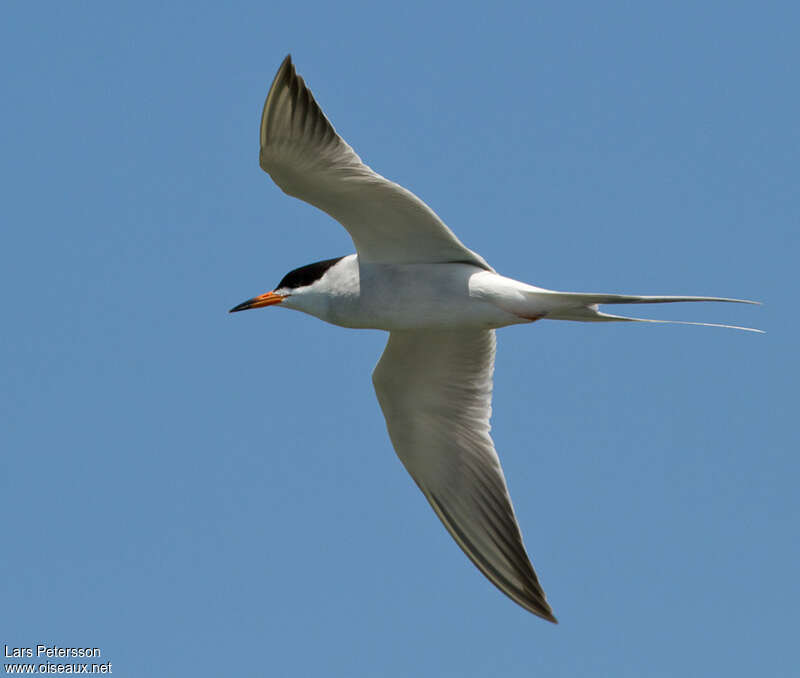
{"points": [[416, 297], [441, 303]]}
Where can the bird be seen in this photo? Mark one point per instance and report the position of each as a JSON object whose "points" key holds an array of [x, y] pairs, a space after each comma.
{"points": [[441, 304]]}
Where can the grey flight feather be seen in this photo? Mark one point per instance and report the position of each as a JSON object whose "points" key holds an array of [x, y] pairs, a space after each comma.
{"points": [[435, 390], [307, 159]]}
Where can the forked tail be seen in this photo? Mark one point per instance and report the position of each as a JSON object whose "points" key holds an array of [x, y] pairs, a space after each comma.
{"points": [[583, 307]]}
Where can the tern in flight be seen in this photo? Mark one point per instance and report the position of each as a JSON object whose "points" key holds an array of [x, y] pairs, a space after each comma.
{"points": [[441, 304]]}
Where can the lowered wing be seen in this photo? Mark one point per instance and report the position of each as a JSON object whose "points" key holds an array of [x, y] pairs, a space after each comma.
{"points": [[435, 389]]}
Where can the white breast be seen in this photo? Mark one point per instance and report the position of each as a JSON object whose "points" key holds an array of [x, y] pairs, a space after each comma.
{"points": [[404, 296]]}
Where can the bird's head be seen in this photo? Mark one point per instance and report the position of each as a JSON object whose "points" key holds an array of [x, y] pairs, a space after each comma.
{"points": [[301, 282]]}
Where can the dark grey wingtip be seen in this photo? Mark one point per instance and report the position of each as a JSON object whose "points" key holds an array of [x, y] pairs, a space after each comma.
{"points": [[286, 64], [549, 618], [527, 593]]}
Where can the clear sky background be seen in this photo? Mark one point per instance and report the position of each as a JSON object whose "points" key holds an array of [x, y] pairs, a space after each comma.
{"points": [[199, 494]]}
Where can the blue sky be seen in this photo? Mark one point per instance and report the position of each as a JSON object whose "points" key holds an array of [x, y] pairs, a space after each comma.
{"points": [[201, 494]]}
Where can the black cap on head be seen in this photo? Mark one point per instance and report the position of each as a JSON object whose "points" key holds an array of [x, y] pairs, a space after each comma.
{"points": [[306, 275]]}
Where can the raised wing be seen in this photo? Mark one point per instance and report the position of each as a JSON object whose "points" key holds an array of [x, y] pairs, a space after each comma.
{"points": [[305, 156], [435, 389]]}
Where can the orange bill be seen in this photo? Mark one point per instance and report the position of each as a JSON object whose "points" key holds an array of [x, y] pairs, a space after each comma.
{"points": [[268, 299]]}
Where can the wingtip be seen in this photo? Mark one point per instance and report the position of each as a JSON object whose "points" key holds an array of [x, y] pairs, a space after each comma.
{"points": [[547, 615], [285, 70], [284, 74], [542, 609]]}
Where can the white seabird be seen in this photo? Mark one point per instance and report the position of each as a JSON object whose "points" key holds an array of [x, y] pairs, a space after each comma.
{"points": [[441, 303]]}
